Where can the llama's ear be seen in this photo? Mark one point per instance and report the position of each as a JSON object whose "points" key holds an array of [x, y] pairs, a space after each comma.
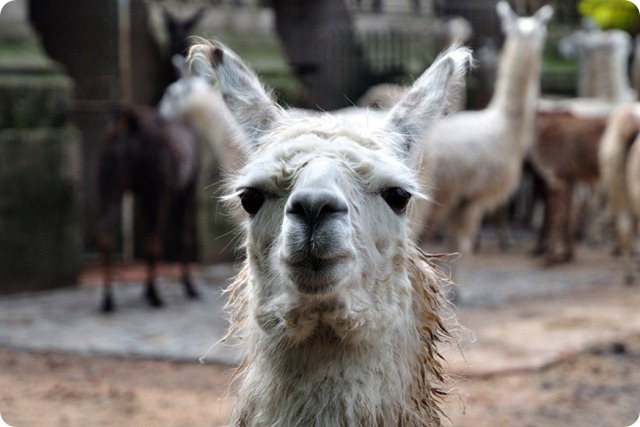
{"points": [[430, 97], [249, 103], [190, 22], [507, 15], [544, 14]]}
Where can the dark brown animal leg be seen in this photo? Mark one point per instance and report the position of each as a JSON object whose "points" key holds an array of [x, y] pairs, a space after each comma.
{"points": [[106, 247], [557, 196], [189, 288], [569, 235], [153, 250], [542, 242], [185, 222], [106, 244], [505, 239]]}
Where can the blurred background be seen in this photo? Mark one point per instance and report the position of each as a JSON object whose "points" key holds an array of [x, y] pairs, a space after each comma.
{"points": [[66, 67], [69, 69]]}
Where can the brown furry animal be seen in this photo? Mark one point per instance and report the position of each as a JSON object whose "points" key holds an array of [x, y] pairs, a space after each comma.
{"points": [[565, 153], [158, 161]]}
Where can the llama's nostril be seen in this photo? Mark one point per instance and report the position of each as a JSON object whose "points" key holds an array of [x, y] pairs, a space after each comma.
{"points": [[313, 207]]}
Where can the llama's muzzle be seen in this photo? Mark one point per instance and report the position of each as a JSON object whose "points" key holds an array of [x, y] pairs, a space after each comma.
{"points": [[316, 239]]}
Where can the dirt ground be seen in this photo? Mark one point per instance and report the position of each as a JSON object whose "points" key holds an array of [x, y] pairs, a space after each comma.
{"points": [[596, 388]]}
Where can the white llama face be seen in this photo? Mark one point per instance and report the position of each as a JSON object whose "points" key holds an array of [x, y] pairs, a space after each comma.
{"points": [[178, 97], [323, 210], [326, 198], [532, 29]]}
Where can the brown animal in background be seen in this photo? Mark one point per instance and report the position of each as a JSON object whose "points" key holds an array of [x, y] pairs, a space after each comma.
{"points": [[179, 30], [157, 160], [565, 153]]}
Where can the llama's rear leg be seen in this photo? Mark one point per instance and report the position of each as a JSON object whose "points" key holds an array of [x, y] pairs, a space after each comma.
{"points": [[107, 296], [187, 281], [465, 228], [107, 246], [185, 215], [569, 227], [503, 229], [557, 198], [154, 249], [542, 241], [189, 287], [625, 231]]}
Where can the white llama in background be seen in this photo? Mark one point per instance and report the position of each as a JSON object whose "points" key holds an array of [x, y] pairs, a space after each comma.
{"points": [[604, 59], [192, 98], [603, 81], [632, 184], [339, 312], [621, 133], [476, 156]]}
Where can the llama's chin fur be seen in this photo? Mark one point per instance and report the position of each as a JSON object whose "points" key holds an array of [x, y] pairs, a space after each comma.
{"points": [[346, 308], [318, 391], [318, 359]]}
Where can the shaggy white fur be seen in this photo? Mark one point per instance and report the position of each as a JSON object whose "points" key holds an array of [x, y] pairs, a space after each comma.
{"points": [[476, 156], [623, 127], [338, 311]]}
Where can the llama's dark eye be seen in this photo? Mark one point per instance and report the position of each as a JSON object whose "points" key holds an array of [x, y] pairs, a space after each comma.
{"points": [[397, 198], [251, 200]]}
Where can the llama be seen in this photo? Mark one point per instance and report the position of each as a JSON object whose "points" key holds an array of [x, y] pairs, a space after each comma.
{"points": [[632, 182], [604, 57], [193, 99], [623, 127], [570, 130], [477, 156], [157, 160], [338, 310], [178, 31], [565, 153], [603, 82], [450, 31], [635, 66]]}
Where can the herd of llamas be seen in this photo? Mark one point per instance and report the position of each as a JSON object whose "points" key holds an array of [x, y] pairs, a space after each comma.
{"points": [[339, 309]]}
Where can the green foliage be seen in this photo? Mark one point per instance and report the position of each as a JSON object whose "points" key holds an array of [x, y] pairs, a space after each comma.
{"points": [[608, 14]]}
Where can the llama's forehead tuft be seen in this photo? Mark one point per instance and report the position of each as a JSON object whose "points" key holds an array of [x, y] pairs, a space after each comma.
{"points": [[528, 26], [359, 127], [359, 158]]}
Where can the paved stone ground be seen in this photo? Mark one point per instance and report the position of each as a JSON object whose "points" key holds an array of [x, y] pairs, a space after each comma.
{"points": [[520, 315], [70, 320]]}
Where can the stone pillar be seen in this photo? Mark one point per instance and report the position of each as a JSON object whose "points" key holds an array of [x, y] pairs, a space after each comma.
{"points": [[40, 231]]}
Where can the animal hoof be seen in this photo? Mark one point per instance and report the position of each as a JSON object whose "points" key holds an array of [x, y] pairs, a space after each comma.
{"points": [[107, 306], [154, 300], [538, 251], [550, 261], [193, 294]]}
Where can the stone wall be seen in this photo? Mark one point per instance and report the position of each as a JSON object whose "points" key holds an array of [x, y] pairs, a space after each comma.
{"points": [[40, 161]]}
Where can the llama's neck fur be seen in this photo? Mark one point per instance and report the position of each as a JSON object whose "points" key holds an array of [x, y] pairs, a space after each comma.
{"points": [[518, 80], [390, 378], [604, 67]]}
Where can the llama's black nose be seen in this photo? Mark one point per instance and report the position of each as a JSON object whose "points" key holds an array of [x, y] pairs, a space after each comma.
{"points": [[313, 207]]}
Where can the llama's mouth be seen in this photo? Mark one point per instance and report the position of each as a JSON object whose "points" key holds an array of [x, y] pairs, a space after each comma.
{"points": [[314, 275]]}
